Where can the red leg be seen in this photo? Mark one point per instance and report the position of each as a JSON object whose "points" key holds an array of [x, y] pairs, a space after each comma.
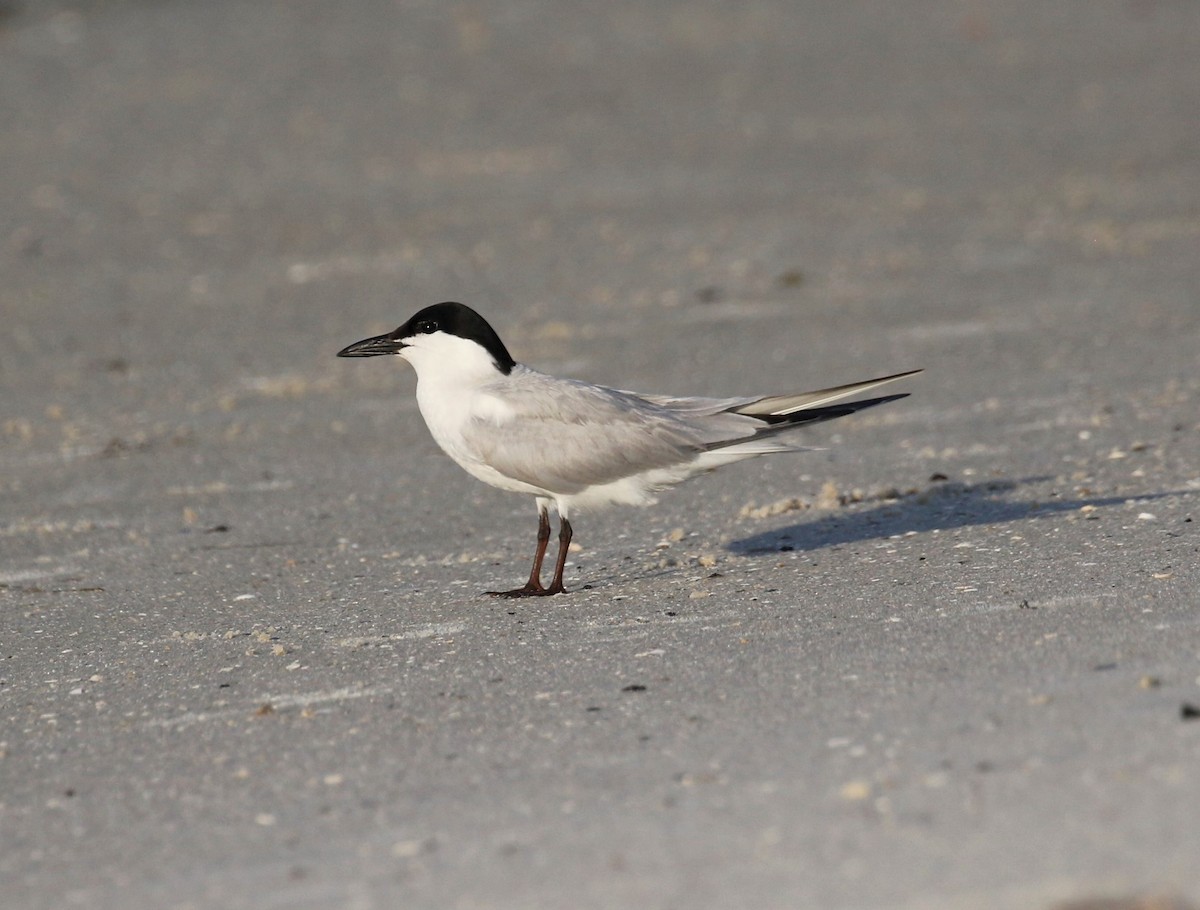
{"points": [[533, 587], [564, 543]]}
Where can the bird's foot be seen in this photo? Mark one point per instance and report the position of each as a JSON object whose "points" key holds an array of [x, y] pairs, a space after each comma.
{"points": [[529, 590]]}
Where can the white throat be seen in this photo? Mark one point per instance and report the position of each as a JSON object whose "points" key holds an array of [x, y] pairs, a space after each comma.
{"points": [[449, 361], [452, 374]]}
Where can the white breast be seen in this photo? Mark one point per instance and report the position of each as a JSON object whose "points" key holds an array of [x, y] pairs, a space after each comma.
{"points": [[448, 409]]}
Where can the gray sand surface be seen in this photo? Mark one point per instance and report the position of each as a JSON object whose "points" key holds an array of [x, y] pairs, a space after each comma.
{"points": [[950, 661]]}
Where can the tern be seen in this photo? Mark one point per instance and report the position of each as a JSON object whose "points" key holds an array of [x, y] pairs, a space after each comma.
{"points": [[572, 444]]}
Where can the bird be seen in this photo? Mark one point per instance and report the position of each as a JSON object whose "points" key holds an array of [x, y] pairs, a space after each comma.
{"points": [[571, 444]]}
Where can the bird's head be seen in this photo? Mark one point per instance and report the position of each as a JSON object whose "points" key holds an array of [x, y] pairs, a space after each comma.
{"points": [[446, 338]]}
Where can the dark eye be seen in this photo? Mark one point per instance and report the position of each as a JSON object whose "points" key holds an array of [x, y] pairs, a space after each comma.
{"points": [[426, 326]]}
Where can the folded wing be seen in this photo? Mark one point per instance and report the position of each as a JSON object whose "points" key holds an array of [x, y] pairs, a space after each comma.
{"points": [[565, 436]]}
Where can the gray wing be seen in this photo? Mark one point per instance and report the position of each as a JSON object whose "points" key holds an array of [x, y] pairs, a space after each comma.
{"points": [[769, 406], [566, 435], [697, 407]]}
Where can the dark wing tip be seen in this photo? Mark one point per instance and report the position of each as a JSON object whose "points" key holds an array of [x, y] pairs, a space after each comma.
{"points": [[827, 412]]}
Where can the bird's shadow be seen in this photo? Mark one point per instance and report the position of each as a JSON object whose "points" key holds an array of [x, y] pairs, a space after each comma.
{"points": [[942, 506]]}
